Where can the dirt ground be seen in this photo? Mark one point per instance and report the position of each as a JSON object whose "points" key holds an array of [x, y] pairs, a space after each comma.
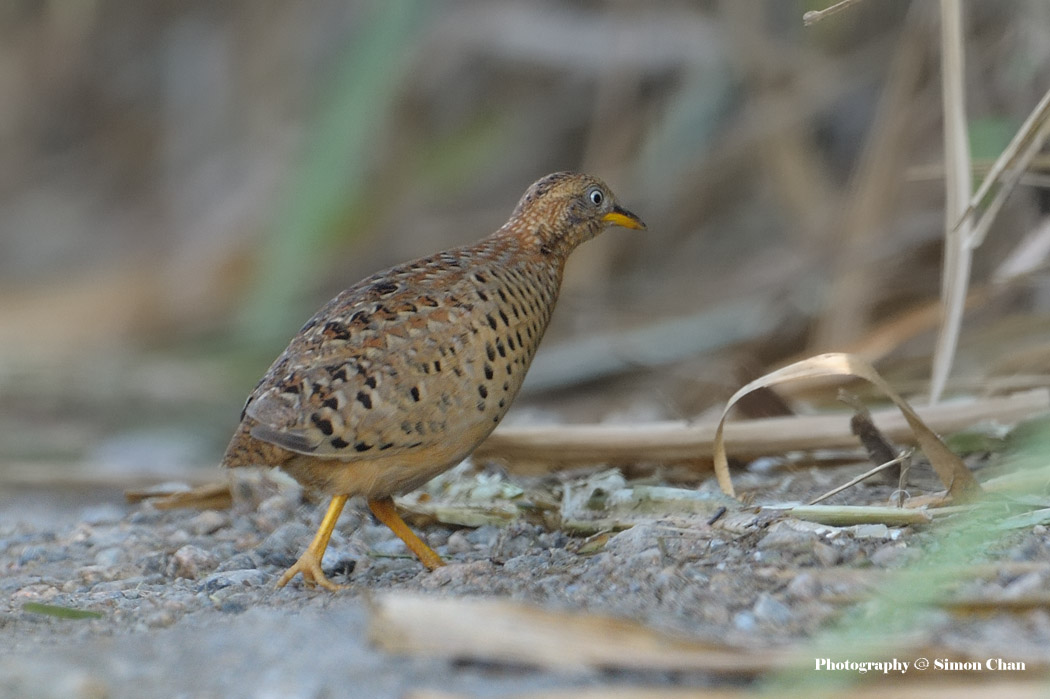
{"points": [[186, 604]]}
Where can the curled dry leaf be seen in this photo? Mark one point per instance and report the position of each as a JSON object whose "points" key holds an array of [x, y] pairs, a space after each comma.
{"points": [[949, 467]]}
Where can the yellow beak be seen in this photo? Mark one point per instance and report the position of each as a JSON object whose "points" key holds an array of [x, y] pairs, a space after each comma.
{"points": [[623, 217]]}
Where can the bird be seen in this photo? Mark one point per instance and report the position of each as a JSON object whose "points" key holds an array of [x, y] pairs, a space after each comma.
{"points": [[399, 377]]}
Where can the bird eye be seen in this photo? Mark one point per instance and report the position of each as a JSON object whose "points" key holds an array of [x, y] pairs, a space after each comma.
{"points": [[596, 197]]}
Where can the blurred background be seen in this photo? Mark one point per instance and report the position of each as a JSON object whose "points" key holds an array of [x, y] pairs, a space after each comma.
{"points": [[182, 183]]}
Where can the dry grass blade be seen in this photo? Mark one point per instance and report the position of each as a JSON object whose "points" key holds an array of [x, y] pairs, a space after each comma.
{"points": [[950, 469], [923, 689], [1017, 156], [958, 185], [551, 447], [606, 692], [867, 474], [848, 515], [873, 193], [502, 631], [967, 234], [813, 16], [211, 496]]}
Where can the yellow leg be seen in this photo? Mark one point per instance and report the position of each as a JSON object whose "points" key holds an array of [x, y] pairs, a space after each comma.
{"points": [[309, 564], [385, 512]]}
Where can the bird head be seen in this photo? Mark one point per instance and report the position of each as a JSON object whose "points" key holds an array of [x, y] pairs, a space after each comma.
{"points": [[564, 209]]}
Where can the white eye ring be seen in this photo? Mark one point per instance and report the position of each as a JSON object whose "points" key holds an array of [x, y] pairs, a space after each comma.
{"points": [[596, 197]]}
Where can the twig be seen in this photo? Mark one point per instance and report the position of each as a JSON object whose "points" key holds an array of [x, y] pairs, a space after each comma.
{"points": [[867, 474], [679, 442], [902, 479], [813, 16], [497, 630]]}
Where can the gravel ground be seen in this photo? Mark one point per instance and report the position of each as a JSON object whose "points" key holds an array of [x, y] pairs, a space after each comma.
{"points": [[188, 605]]}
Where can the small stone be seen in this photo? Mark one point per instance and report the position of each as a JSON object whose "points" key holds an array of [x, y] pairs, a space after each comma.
{"points": [[649, 559], [190, 562], [892, 556], [390, 547], [484, 536], [109, 557], [770, 610], [458, 543], [744, 621], [274, 510], [805, 586], [632, 541], [161, 619], [208, 522], [37, 592], [154, 562], [871, 531], [111, 588], [234, 603], [232, 578], [516, 539], [239, 561], [787, 539], [1024, 586], [281, 548], [525, 563], [104, 513], [826, 554], [457, 573], [338, 563], [32, 553], [92, 575]]}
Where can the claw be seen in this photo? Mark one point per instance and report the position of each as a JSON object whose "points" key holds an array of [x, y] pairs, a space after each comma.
{"points": [[310, 566]]}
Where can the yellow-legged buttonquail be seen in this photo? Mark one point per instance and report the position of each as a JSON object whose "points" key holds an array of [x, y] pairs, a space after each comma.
{"points": [[402, 375]]}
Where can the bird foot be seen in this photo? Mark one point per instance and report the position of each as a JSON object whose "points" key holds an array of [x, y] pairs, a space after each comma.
{"points": [[309, 564]]}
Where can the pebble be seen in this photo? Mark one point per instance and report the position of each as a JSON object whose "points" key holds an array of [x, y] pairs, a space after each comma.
{"points": [[190, 562], [208, 522], [232, 578], [35, 592], [529, 563], [338, 563], [457, 573], [33, 553], [275, 510], [153, 562], [515, 540], [744, 621], [240, 561], [390, 547], [1024, 586], [771, 610], [632, 541], [786, 539], [95, 574], [871, 531], [458, 543], [109, 557], [161, 619], [281, 547], [827, 554], [103, 513], [231, 601], [804, 586], [484, 536], [649, 559], [892, 556]]}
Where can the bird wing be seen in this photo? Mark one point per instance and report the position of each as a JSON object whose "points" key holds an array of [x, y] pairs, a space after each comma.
{"points": [[371, 373]]}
